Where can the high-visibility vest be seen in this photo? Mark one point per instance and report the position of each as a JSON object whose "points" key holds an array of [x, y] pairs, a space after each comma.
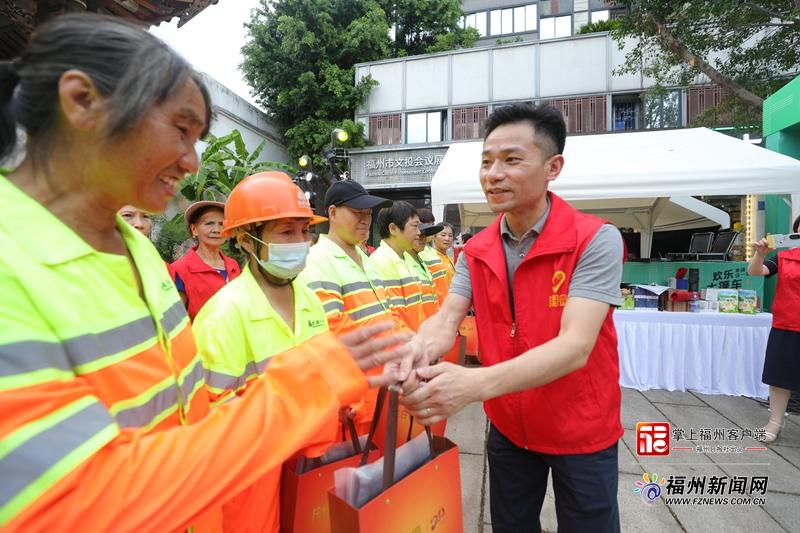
{"points": [[92, 374], [351, 296], [402, 285], [442, 272], [430, 294], [441, 267], [237, 332]]}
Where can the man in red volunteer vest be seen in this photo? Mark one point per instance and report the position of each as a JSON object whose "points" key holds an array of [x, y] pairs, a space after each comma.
{"points": [[543, 279]]}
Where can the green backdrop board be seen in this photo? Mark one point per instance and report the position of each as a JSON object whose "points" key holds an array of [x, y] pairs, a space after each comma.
{"points": [[722, 274], [781, 129]]}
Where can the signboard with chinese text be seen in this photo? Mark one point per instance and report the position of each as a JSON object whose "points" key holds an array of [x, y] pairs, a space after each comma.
{"points": [[397, 167]]}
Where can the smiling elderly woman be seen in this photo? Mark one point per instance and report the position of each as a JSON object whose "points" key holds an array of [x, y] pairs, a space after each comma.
{"points": [[204, 269], [105, 421]]}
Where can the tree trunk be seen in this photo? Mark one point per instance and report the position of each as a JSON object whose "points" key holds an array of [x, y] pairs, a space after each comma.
{"points": [[671, 43]]}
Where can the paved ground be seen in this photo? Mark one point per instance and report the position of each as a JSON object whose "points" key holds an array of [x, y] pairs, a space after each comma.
{"points": [[780, 463]]}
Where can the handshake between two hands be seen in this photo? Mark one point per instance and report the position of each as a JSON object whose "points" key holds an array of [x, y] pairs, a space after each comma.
{"points": [[430, 393]]}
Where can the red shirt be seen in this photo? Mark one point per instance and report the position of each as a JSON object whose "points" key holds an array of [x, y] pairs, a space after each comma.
{"points": [[787, 293], [580, 412], [201, 280]]}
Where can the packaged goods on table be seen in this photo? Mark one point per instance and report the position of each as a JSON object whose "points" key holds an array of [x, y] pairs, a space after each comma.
{"points": [[728, 300], [748, 301]]}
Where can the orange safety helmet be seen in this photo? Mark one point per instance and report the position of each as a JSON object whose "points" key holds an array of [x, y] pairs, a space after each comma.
{"points": [[266, 196]]}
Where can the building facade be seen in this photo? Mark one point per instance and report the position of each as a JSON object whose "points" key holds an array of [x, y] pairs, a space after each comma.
{"points": [[232, 112], [520, 20], [423, 103]]}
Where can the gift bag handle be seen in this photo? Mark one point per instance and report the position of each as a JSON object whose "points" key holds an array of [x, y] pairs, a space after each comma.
{"points": [[390, 446], [373, 426], [351, 427]]}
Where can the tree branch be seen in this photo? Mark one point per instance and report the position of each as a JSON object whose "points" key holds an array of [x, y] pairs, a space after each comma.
{"points": [[785, 21], [670, 42]]}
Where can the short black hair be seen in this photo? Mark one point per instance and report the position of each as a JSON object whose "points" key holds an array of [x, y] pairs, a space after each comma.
{"points": [[399, 213], [426, 216], [549, 129], [796, 224]]}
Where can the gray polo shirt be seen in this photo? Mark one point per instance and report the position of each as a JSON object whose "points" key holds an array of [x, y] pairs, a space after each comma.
{"points": [[596, 276]]}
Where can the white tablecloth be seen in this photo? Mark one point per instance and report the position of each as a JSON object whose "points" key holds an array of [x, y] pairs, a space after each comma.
{"points": [[711, 353]]}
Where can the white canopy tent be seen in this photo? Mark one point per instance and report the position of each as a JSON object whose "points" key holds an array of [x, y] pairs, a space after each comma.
{"points": [[643, 180]]}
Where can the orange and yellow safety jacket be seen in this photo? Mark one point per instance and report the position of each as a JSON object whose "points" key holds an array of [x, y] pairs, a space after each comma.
{"points": [[105, 418], [429, 292], [402, 285], [441, 268], [351, 296], [238, 332]]}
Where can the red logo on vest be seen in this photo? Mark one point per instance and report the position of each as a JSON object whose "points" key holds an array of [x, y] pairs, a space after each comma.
{"points": [[652, 438]]}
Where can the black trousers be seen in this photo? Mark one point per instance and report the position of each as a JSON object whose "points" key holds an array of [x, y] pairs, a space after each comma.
{"points": [[585, 488]]}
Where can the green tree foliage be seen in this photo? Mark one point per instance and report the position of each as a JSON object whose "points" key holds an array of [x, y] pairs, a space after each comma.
{"points": [[750, 48], [425, 26], [225, 162], [300, 58], [599, 26]]}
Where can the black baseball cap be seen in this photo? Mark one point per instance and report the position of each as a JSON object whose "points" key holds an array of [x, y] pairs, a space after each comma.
{"points": [[430, 229], [353, 194]]}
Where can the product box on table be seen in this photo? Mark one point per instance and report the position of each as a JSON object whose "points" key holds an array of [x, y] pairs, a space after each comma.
{"points": [[649, 296], [748, 301], [675, 305], [710, 294], [728, 300]]}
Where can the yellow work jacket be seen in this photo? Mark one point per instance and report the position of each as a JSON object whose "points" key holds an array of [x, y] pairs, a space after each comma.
{"points": [[430, 295], [238, 330], [237, 333], [402, 284], [105, 421], [441, 269], [352, 296]]}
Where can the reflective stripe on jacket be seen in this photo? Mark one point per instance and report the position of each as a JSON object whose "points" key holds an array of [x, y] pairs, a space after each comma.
{"points": [[402, 286], [351, 296], [91, 376], [200, 279], [441, 266], [238, 330], [430, 294], [237, 333], [579, 412]]}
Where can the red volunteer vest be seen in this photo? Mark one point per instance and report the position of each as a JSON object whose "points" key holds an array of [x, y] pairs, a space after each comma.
{"points": [[786, 305], [201, 280], [580, 412]]}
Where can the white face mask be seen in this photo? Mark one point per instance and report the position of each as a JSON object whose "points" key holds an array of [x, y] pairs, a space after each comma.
{"points": [[285, 261]]}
